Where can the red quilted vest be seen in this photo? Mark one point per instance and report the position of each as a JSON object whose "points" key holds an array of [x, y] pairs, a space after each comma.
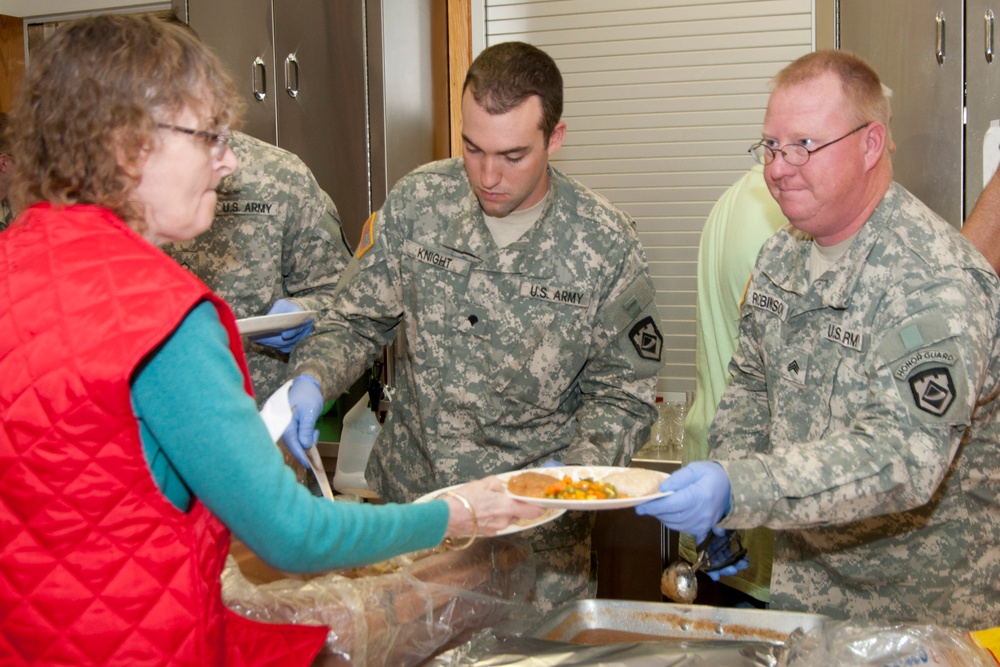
{"points": [[97, 567]]}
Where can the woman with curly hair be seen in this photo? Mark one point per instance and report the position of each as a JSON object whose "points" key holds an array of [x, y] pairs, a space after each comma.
{"points": [[129, 441]]}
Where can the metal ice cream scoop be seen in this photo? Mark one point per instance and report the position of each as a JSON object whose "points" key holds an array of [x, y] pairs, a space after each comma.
{"points": [[679, 581]]}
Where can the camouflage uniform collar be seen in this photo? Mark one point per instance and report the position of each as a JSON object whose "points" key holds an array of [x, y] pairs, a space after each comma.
{"points": [[542, 222], [560, 191], [240, 144], [789, 267], [467, 231]]}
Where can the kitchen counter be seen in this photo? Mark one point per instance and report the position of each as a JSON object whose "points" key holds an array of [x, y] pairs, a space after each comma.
{"points": [[662, 460]]}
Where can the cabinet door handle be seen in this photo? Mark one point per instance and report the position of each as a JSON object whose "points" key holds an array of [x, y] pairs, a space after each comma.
{"points": [[939, 20], [259, 84], [291, 66], [988, 32]]}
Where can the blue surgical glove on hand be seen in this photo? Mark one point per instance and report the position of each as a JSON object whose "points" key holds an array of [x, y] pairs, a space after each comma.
{"points": [[306, 401], [699, 500], [552, 464], [724, 546], [284, 341]]}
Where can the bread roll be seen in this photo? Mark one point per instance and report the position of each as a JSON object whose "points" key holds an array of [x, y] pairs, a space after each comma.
{"points": [[635, 482]]}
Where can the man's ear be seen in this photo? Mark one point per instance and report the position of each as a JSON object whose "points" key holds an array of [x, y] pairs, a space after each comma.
{"points": [[875, 143], [556, 138]]}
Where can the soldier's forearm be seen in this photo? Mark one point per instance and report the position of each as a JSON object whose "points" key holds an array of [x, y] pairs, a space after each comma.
{"points": [[982, 227]]}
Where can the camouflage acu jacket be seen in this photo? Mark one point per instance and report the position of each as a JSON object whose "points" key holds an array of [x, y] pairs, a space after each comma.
{"points": [[546, 349], [276, 235], [862, 423]]}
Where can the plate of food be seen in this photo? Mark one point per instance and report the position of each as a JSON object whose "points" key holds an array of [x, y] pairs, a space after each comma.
{"points": [[585, 487], [264, 324], [517, 526]]}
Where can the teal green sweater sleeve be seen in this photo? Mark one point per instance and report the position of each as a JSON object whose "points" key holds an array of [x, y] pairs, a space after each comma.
{"points": [[202, 436]]}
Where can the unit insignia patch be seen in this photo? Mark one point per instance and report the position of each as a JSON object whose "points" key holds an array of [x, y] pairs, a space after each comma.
{"points": [[646, 339], [933, 390]]}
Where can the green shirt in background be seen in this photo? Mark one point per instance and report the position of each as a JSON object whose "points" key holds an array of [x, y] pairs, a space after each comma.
{"points": [[743, 218]]}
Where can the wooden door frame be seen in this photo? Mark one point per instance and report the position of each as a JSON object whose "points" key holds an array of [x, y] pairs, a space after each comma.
{"points": [[11, 59], [459, 59]]}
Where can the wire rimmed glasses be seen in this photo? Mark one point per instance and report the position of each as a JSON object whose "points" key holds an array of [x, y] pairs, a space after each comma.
{"points": [[216, 141], [794, 154]]}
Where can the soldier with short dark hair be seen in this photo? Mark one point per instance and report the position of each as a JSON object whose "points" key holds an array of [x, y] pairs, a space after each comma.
{"points": [[531, 330]]}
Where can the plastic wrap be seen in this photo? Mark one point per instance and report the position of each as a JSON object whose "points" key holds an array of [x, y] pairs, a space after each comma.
{"points": [[399, 612], [843, 644]]}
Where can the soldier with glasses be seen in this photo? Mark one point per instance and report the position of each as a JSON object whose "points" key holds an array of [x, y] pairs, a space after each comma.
{"points": [[860, 423]]}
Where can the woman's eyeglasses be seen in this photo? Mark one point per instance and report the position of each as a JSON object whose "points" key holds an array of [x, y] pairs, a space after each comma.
{"points": [[216, 141]]}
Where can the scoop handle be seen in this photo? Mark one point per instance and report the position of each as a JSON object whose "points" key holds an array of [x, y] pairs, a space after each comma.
{"points": [[719, 551]]}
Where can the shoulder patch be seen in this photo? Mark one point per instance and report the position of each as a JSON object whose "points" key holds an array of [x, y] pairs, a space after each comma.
{"points": [[933, 390], [646, 339], [367, 236]]}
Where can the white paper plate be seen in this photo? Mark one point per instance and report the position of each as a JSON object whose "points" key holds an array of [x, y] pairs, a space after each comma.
{"points": [[517, 527], [577, 473], [263, 324]]}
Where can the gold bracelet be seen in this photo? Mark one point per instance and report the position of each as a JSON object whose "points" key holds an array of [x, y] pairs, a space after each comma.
{"points": [[449, 542]]}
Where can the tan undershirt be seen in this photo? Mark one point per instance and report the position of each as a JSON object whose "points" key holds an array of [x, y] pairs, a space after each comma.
{"points": [[510, 228], [821, 258]]}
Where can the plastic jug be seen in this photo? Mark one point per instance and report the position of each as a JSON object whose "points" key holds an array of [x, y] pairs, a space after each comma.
{"points": [[673, 411], [357, 437]]}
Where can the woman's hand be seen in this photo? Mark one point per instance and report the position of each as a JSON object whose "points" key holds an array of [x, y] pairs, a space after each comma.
{"points": [[489, 509]]}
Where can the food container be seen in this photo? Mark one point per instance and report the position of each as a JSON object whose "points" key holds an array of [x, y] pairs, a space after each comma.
{"points": [[589, 621], [638, 634]]}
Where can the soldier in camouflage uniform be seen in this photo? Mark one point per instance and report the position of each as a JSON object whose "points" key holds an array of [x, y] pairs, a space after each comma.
{"points": [[276, 235], [520, 349], [861, 422]]}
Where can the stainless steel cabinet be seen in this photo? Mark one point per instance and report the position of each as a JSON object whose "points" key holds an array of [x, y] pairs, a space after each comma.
{"points": [[353, 89], [937, 57]]}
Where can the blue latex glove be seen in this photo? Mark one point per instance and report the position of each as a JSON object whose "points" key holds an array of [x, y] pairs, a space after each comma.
{"points": [[699, 500], [725, 546], [284, 341], [307, 404], [551, 464]]}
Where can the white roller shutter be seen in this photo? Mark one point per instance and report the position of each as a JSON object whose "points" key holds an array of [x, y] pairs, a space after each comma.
{"points": [[663, 97]]}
